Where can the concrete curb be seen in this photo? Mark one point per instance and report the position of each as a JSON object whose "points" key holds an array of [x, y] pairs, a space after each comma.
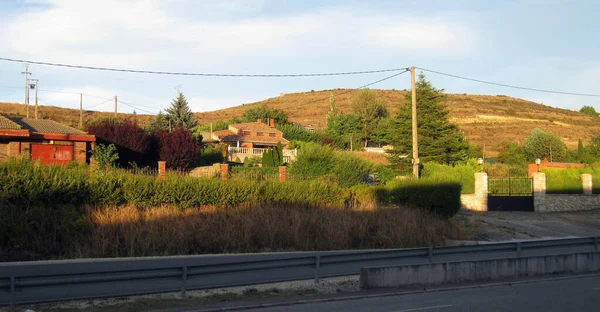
{"points": [[390, 294]]}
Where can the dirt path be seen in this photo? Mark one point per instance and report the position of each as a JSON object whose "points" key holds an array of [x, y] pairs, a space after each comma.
{"points": [[507, 226]]}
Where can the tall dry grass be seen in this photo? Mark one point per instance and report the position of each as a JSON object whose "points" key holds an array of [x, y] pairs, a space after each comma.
{"points": [[158, 231]]}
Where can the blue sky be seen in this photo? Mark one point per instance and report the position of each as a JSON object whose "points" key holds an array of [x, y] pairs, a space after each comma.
{"points": [[546, 44]]}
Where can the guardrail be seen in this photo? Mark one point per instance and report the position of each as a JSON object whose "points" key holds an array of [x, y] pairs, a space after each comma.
{"points": [[42, 281]]}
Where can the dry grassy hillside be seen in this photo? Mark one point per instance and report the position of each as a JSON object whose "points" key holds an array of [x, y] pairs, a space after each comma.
{"points": [[485, 119], [66, 116]]}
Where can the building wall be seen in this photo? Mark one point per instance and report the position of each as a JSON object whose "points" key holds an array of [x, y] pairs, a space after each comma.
{"points": [[3, 150]]}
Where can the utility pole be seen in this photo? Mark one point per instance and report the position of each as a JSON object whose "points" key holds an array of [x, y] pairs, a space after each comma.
{"points": [[36, 99], [80, 110], [26, 73], [115, 106], [415, 147]]}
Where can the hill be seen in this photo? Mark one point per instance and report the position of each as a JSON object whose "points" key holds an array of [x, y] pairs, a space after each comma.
{"points": [[485, 119]]}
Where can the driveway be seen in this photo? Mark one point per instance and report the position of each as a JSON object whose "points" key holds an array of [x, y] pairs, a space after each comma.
{"points": [[507, 226]]}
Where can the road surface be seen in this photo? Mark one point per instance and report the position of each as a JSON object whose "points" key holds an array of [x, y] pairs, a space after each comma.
{"points": [[578, 294]]}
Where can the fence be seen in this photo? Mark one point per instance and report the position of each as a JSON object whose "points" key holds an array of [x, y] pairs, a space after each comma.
{"points": [[510, 186], [41, 281]]}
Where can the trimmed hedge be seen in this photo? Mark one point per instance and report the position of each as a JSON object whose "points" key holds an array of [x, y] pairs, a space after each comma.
{"points": [[463, 174]]}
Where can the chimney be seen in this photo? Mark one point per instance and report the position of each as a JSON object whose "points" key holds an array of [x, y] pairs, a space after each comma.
{"points": [[259, 120], [271, 122]]}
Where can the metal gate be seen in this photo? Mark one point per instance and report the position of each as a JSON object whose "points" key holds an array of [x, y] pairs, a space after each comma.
{"points": [[52, 154], [510, 194]]}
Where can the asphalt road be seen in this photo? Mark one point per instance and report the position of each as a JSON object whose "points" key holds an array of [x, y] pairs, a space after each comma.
{"points": [[580, 294]]}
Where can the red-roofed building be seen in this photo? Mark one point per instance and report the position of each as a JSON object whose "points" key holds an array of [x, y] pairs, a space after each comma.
{"points": [[251, 135], [43, 140]]}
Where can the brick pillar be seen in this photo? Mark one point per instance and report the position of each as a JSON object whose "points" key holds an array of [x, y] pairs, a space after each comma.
{"points": [[282, 173], [539, 192], [586, 180], [481, 191], [162, 169], [26, 150], [79, 150], [224, 171], [14, 149]]}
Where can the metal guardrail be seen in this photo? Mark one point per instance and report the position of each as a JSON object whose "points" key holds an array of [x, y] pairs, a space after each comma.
{"points": [[42, 281]]}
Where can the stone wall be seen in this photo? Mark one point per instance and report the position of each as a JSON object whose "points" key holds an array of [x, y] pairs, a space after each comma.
{"points": [[477, 201], [554, 202]]}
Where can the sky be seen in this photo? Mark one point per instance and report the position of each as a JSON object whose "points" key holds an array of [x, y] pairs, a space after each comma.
{"points": [[545, 44]]}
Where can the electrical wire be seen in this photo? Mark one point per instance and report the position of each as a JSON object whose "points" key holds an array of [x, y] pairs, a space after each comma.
{"points": [[88, 107], [358, 88], [134, 107], [201, 74], [506, 85]]}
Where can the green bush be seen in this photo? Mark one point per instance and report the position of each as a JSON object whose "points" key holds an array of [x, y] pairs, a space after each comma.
{"points": [[462, 174], [350, 169], [563, 181], [439, 196], [139, 189], [313, 161]]}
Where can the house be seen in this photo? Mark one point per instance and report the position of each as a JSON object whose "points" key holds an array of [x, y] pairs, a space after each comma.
{"points": [[44, 140], [251, 139], [251, 135], [534, 167]]}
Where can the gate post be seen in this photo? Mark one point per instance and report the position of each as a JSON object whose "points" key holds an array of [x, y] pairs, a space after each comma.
{"points": [[586, 180], [481, 191], [539, 192]]}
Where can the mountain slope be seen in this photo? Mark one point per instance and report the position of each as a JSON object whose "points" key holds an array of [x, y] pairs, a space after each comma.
{"points": [[485, 119]]}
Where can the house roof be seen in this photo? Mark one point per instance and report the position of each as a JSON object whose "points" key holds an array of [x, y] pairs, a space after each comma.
{"points": [[40, 125], [6, 123], [229, 136], [255, 126]]}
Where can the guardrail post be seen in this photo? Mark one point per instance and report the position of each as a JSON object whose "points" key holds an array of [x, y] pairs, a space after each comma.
{"points": [[317, 267], [430, 254], [518, 249], [183, 281]]}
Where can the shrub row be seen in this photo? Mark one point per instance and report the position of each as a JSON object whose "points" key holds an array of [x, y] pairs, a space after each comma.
{"points": [[462, 174]]}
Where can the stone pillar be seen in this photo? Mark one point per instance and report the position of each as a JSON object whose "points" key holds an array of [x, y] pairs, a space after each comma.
{"points": [[224, 171], [80, 152], [162, 169], [539, 192], [282, 173], [586, 180], [481, 191]]}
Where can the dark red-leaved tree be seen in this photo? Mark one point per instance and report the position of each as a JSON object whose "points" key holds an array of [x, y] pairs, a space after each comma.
{"points": [[133, 143], [178, 148]]}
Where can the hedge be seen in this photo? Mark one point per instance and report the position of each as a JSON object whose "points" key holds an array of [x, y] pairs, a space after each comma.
{"points": [[463, 174]]}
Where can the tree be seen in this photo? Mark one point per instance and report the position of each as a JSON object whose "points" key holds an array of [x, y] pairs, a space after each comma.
{"points": [[273, 157], [159, 122], [439, 140], [345, 128], [105, 155], [264, 112], [540, 144], [370, 109], [512, 154], [589, 110], [180, 115], [178, 148], [133, 144]]}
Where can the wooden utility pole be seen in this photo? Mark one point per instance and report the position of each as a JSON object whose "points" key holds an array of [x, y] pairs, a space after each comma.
{"points": [[36, 99], [415, 146], [26, 73], [115, 106], [80, 110]]}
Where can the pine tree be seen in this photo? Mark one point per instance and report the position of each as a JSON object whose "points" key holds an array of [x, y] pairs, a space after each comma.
{"points": [[439, 140], [180, 115], [159, 122]]}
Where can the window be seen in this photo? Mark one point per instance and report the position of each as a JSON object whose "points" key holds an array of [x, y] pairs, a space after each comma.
{"points": [[272, 134], [259, 134]]}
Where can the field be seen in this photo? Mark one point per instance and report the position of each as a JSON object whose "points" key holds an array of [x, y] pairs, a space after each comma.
{"points": [[485, 119]]}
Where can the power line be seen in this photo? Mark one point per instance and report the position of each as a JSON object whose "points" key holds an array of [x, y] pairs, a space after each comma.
{"points": [[201, 74], [88, 107], [506, 85], [358, 88], [134, 107]]}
